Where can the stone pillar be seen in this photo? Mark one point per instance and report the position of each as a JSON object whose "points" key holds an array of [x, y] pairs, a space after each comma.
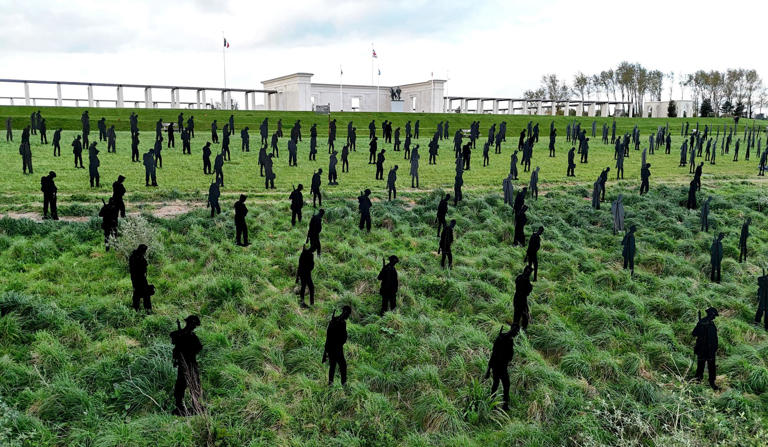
{"points": [[223, 100], [148, 98], [205, 102], [90, 95], [511, 107], [591, 109], [553, 112], [59, 99], [463, 105], [480, 106], [604, 109], [632, 112], [495, 106], [120, 96], [253, 100], [539, 111], [174, 105], [197, 99], [26, 93]]}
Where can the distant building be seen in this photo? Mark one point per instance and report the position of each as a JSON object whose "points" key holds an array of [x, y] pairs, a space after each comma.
{"points": [[659, 109], [298, 92]]}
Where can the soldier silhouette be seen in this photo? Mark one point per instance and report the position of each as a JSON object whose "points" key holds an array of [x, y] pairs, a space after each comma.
{"points": [[304, 275], [389, 284], [142, 290], [335, 338], [297, 203], [241, 228], [706, 346], [446, 241], [315, 228], [523, 288], [186, 347], [364, 206], [48, 186], [501, 355], [213, 198], [532, 254]]}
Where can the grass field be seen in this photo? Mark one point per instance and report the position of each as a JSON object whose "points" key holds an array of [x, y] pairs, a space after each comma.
{"points": [[182, 177], [606, 360]]}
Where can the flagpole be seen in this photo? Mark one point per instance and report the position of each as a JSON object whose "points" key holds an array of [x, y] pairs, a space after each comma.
{"points": [[378, 83], [341, 88], [372, 51], [224, 66]]}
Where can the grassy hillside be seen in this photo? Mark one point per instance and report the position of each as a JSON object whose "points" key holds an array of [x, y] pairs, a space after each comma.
{"points": [[605, 361], [181, 175]]}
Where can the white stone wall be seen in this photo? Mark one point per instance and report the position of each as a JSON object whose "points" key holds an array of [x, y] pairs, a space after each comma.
{"points": [[330, 94], [659, 109]]}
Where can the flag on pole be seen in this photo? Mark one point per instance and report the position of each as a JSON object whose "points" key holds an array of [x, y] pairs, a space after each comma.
{"points": [[341, 70], [226, 44], [374, 54], [379, 71]]}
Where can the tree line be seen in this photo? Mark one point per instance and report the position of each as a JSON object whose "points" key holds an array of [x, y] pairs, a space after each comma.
{"points": [[714, 93]]}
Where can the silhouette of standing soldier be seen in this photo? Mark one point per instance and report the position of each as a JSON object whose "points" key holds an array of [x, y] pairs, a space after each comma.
{"points": [[446, 241], [706, 346], [743, 239], [213, 198], [186, 347], [523, 288], [762, 300], [628, 253], [389, 284], [304, 275], [501, 355], [364, 206], [297, 203], [716, 257], [109, 213], [49, 189], [241, 228], [532, 254], [142, 290], [315, 228], [335, 338]]}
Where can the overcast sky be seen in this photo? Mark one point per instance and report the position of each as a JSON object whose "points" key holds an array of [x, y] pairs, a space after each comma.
{"points": [[489, 48]]}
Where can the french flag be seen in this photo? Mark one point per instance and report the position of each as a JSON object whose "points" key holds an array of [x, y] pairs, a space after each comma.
{"points": [[226, 44]]}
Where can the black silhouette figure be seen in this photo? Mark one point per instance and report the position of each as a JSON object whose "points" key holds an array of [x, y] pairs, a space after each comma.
{"points": [[57, 143], [716, 257], [364, 206], [93, 165], [762, 300], [213, 198], [48, 186], [743, 239], [391, 180], [520, 221], [446, 241], [706, 346], [335, 338], [389, 284], [630, 249], [142, 290], [501, 355], [25, 150], [705, 214], [207, 158], [241, 228], [532, 254], [186, 347], [523, 288], [297, 204], [645, 175], [314, 189], [150, 171], [442, 211], [691, 203], [304, 275], [315, 228], [109, 213]]}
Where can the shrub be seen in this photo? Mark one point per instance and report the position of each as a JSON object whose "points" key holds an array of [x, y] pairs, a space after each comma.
{"points": [[134, 231]]}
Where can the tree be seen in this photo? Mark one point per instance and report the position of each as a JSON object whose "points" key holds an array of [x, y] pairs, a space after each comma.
{"points": [[672, 109], [738, 112], [727, 107], [706, 108], [556, 90]]}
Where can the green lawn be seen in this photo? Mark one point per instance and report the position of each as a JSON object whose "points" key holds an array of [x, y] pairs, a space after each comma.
{"points": [[606, 361], [181, 175]]}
